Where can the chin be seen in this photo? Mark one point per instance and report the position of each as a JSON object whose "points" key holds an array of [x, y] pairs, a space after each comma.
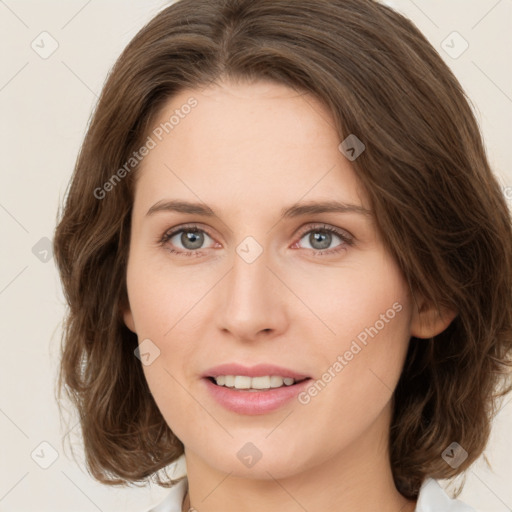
{"points": [[261, 460]]}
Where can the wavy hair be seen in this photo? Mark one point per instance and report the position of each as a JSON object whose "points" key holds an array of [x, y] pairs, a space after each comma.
{"points": [[438, 207]]}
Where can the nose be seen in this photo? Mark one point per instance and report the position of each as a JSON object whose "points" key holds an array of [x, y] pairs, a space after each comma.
{"points": [[253, 301]]}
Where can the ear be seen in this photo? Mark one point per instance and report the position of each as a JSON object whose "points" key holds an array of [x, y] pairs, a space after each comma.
{"points": [[127, 315], [428, 322]]}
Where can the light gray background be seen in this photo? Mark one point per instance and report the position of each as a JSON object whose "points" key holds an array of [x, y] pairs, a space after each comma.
{"points": [[45, 106]]}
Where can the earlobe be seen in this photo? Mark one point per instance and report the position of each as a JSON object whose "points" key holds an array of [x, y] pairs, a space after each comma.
{"points": [[128, 320], [428, 322], [127, 315]]}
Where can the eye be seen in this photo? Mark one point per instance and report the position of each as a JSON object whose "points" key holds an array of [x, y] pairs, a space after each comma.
{"points": [[191, 239], [321, 237]]}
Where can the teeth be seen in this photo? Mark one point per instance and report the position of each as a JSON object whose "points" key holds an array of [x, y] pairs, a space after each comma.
{"points": [[244, 382]]}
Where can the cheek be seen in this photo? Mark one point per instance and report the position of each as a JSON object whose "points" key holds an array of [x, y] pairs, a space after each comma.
{"points": [[369, 313], [354, 299], [161, 306], [162, 295]]}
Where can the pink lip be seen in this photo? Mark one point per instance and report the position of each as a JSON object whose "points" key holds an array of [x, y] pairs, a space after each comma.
{"points": [[254, 402], [259, 370]]}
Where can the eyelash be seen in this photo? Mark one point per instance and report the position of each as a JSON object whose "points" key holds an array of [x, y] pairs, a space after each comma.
{"points": [[193, 228]]}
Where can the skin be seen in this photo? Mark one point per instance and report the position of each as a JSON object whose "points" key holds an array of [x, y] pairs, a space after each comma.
{"points": [[247, 151]]}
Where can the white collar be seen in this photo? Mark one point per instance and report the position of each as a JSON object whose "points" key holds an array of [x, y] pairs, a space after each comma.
{"points": [[173, 501], [431, 498]]}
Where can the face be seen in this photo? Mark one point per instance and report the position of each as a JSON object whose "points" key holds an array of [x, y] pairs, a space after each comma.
{"points": [[312, 292]]}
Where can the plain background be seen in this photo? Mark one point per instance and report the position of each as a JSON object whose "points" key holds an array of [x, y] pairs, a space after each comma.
{"points": [[45, 105]]}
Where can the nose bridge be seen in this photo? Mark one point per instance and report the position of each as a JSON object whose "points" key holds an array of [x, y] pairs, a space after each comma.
{"points": [[252, 302], [250, 277]]}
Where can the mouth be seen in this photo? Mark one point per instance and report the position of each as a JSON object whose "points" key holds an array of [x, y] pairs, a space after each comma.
{"points": [[254, 390], [245, 383], [258, 395]]}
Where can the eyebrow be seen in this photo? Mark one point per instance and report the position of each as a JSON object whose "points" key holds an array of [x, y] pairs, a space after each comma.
{"points": [[295, 210]]}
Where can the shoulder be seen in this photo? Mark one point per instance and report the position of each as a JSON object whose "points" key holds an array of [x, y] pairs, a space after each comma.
{"points": [[173, 501], [432, 498]]}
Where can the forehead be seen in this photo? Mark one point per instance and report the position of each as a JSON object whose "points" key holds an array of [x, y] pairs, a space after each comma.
{"points": [[247, 141]]}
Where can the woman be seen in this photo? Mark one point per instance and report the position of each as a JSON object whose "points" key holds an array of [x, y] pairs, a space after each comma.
{"points": [[286, 259]]}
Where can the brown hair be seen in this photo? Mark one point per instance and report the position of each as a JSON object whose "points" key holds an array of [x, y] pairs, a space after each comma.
{"points": [[438, 208]]}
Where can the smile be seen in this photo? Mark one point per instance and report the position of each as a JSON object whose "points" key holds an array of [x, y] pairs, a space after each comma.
{"points": [[251, 401]]}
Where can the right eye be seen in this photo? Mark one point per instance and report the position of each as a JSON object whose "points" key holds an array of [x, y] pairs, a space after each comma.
{"points": [[191, 239]]}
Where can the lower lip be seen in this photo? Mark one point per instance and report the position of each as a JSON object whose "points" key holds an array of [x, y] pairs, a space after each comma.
{"points": [[254, 402]]}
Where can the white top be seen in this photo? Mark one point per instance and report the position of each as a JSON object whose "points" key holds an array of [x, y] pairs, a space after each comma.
{"points": [[431, 498]]}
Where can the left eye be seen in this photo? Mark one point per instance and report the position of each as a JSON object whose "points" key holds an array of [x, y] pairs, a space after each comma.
{"points": [[320, 239]]}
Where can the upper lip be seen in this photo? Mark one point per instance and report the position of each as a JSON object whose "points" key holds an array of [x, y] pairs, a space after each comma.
{"points": [[259, 370]]}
